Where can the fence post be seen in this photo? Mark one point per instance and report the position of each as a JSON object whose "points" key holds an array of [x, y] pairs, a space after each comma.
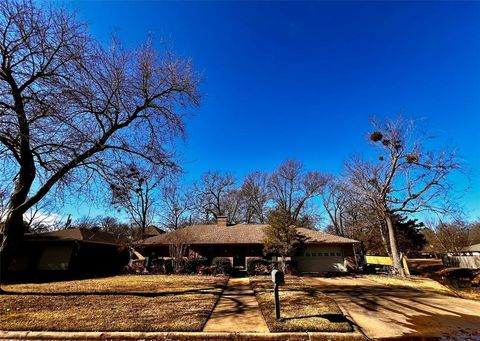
{"points": [[405, 265]]}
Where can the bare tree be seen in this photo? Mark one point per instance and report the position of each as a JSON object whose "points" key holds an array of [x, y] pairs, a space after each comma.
{"points": [[291, 188], [451, 236], [232, 203], [336, 199], [213, 193], [41, 217], [124, 233], [135, 191], [3, 203], [85, 222], [254, 197], [179, 249], [176, 205], [406, 179], [70, 110]]}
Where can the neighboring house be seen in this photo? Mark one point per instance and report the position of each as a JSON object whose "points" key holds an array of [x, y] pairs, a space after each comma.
{"points": [[78, 250], [472, 250], [321, 252]]}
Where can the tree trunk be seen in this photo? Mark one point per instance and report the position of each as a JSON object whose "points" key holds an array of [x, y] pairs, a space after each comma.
{"points": [[384, 242], [397, 263], [12, 237]]}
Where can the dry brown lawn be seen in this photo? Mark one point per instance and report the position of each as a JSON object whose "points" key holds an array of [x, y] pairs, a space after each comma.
{"points": [[412, 282], [303, 306], [120, 303]]}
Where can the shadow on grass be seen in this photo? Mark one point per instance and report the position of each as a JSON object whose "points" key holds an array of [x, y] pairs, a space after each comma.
{"points": [[211, 290], [330, 317]]}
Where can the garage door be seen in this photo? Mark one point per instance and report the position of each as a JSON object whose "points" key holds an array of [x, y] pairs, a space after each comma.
{"points": [[321, 260]]}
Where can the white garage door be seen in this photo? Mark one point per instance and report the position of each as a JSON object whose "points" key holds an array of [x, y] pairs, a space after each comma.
{"points": [[321, 259]]}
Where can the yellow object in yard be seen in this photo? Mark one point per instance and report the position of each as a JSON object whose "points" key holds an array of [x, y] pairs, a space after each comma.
{"points": [[380, 260], [405, 266]]}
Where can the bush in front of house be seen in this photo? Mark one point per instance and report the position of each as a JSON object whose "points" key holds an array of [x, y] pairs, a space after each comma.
{"points": [[193, 265], [258, 266], [223, 265], [160, 266]]}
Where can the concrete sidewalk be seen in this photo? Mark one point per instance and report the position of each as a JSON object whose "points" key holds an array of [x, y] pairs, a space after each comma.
{"points": [[237, 310]]}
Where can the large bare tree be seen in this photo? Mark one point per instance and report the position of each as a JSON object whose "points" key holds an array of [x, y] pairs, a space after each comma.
{"points": [[336, 198], [254, 197], [404, 179], [135, 190], [214, 195], [292, 188], [71, 110], [176, 206], [452, 236]]}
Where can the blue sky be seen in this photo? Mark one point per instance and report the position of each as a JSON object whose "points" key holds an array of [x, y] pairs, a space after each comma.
{"points": [[301, 79]]}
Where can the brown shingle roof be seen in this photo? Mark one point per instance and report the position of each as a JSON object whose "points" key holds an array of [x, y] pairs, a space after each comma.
{"points": [[153, 231], [472, 248], [77, 234], [236, 234]]}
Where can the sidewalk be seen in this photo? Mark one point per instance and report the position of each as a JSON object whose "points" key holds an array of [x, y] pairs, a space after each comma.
{"points": [[237, 310]]}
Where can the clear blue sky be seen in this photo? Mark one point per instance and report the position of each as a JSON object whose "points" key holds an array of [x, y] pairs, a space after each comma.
{"points": [[300, 80]]}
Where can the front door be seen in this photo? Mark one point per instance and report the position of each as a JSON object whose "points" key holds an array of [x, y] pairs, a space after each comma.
{"points": [[239, 257]]}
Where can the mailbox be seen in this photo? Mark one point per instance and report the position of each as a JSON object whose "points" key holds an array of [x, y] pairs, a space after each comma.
{"points": [[278, 277]]}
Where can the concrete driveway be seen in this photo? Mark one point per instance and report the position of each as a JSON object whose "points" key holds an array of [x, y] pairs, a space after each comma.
{"points": [[384, 312]]}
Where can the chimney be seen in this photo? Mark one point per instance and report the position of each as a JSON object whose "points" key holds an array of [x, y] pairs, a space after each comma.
{"points": [[222, 221]]}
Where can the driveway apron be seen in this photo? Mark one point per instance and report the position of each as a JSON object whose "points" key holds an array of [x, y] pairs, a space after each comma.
{"points": [[393, 312]]}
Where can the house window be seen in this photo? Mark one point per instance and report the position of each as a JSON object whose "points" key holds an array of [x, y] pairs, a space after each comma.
{"points": [[339, 254], [326, 254], [332, 253], [307, 254], [313, 254]]}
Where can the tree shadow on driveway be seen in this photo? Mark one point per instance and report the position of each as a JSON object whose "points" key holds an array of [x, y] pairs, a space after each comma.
{"points": [[392, 311]]}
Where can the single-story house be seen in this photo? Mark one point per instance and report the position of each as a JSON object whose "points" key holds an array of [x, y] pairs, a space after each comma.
{"points": [[320, 252], [74, 251]]}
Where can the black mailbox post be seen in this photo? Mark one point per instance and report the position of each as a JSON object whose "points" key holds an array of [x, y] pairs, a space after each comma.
{"points": [[277, 279]]}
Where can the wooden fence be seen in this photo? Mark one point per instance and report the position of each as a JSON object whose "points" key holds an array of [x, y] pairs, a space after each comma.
{"points": [[469, 262]]}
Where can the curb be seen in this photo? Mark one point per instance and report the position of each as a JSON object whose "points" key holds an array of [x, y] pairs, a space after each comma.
{"points": [[177, 336]]}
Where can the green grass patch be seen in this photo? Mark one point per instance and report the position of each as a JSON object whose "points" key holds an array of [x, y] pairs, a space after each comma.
{"points": [[120, 303], [303, 306]]}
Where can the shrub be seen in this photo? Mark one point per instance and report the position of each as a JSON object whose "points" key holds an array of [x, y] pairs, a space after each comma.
{"points": [[161, 266], [258, 266], [192, 265], [207, 270], [222, 265]]}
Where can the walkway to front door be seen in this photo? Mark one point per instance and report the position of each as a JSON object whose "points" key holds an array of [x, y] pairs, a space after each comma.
{"points": [[237, 310]]}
